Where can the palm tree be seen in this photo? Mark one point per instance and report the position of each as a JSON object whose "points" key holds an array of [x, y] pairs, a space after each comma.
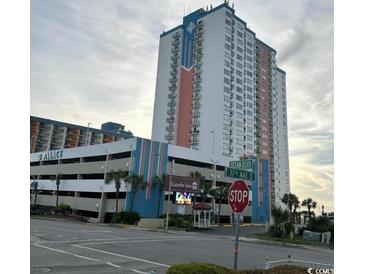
{"points": [[58, 179], [220, 193], [295, 213], [290, 200], [34, 186], [309, 203], [116, 176], [159, 182], [136, 182]]}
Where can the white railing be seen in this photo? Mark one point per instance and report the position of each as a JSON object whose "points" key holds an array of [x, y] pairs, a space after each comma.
{"points": [[289, 261]]}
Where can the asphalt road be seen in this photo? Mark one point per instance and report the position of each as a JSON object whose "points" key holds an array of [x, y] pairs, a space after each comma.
{"points": [[71, 247]]}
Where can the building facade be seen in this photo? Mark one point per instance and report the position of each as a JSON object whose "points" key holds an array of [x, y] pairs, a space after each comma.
{"points": [[84, 169], [215, 92], [46, 134]]}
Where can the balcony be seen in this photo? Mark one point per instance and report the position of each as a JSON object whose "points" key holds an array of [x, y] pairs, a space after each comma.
{"points": [[170, 128], [172, 104], [171, 112], [170, 119], [169, 136], [195, 114], [196, 95], [173, 87], [196, 105], [172, 95]]}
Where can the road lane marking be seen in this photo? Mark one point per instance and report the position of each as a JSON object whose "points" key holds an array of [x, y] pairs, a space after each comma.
{"points": [[78, 256], [97, 231], [138, 271], [123, 256], [148, 240], [106, 239]]}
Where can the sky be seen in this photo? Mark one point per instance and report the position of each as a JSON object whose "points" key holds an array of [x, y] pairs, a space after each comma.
{"points": [[96, 61]]}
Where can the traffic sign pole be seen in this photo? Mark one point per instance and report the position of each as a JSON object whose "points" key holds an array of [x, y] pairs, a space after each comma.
{"points": [[236, 241], [238, 196]]}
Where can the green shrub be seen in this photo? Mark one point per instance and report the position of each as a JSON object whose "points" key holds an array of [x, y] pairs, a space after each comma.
{"points": [[319, 224], [207, 268], [275, 232], [198, 268], [63, 209], [116, 218], [130, 217], [289, 227]]}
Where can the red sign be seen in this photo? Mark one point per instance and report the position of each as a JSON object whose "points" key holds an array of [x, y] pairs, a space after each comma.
{"points": [[238, 196]]}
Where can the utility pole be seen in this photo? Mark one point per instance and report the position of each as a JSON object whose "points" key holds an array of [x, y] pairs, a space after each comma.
{"points": [[168, 198]]}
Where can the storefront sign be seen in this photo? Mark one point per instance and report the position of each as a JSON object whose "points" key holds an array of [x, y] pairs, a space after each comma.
{"points": [[182, 184], [50, 155]]}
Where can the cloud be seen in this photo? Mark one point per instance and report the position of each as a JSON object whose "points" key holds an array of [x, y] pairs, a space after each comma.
{"points": [[96, 61]]}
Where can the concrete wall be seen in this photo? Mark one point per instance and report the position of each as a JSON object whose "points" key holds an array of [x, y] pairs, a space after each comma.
{"points": [[79, 203]]}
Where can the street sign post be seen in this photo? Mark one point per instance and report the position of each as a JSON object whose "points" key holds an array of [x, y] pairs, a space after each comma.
{"points": [[238, 196], [240, 174]]}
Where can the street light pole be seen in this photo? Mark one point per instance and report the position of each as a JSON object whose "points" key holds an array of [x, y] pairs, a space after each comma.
{"points": [[168, 198]]}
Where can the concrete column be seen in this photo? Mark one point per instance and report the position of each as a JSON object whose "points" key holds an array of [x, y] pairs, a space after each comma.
{"points": [[102, 206], [76, 211]]}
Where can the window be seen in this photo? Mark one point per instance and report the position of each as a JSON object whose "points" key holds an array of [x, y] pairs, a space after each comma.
{"points": [[226, 89], [249, 51], [238, 89], [228, 39], [239, 98], [238, 123], [249, 44], [226, 63], [227, 54], [239, 65], [239, 49], [249, 129], [228, 47], [238, 132], [249, 97], [226, 108], [226, 117], [227, 72], [240, 34], [239, 81], [249, 104], [249, 73], [228, 14], [228, 22], [239, 57], [239, 115], [249, 89], [239, 42], [239, 73], [249, 113], [226, 80], [226, 98], [239, 106], [249, 81], [249, 66], [238, 141], [240, 27], [249, 58]]}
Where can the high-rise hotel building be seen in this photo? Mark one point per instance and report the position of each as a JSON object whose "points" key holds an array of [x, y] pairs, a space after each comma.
{"points": [[219, 91]]}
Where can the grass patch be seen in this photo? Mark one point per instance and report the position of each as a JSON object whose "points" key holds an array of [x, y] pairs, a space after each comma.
{"points": [[298, 239], [207, 268]]}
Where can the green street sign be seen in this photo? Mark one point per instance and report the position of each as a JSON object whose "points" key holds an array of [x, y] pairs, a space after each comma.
{"points": [[246, 164], [240, 174]]}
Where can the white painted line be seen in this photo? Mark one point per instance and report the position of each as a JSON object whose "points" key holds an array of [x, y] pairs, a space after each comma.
{"points": [[147, 240], [115, 265], [123, 256], [69, 253], [97, 231], [78, 256], [138, 271], [38, 234], [106, 239], [60, 236]]}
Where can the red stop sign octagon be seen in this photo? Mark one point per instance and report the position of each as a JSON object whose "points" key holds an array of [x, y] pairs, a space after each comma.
{"points": [[238, 196]]}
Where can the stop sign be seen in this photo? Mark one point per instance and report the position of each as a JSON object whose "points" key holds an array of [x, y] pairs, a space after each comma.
{"points": [[238, 196]]}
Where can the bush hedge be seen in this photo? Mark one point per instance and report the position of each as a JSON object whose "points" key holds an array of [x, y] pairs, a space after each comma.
{"points": [[207, 268], [63, 209], [126, 217]]}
